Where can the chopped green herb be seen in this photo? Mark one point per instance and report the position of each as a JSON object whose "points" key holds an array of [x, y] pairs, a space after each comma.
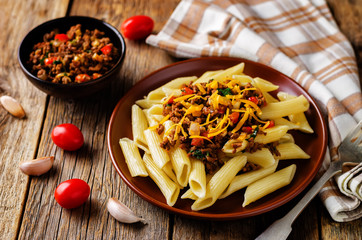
{"points": [[197, 154], [42, 60], [224, 92], [255, 132], [57, 62]]}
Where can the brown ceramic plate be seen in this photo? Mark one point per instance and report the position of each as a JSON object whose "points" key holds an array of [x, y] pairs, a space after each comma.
{"points": [[230, 207]]}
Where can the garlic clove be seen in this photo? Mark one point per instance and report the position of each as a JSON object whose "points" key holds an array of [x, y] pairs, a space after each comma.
{"points": [[37, 167], [12, 106], [121, 212]]}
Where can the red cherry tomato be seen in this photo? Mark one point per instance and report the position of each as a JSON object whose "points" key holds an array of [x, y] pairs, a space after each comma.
{"points": [[106, 50], [72, 193], [137, 27], [50, 60], [197, 142], [82, 78], [187, 91], [61, 37], [67, 136], [234, 117]]}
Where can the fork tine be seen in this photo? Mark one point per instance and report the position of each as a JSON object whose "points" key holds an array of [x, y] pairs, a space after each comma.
{"points": [[358, 142]]}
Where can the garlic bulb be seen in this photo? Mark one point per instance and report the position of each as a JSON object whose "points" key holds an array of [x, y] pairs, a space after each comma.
{"points": [[121, 212], [37, 166]]}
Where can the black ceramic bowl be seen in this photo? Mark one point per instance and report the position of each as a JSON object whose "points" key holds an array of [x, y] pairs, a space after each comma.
{"points": [[75, 90]]}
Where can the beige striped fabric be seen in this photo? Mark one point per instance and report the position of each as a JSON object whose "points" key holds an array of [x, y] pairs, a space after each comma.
{"points": [[299, 38]]}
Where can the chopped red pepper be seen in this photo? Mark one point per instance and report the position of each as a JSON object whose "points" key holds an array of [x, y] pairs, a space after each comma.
{"points": [[82, 78], [197, 142], [221, 109], [204, 134], [247, 129], [170, 101], [61, 37], [187, 91], [50, 60], [253, 99], [234, 117], [106, 50], [271, 124]]}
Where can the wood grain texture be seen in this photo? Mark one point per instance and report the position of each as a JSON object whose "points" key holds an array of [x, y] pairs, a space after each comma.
{"points": [[19, 137], [348, 15], [92, 162]]}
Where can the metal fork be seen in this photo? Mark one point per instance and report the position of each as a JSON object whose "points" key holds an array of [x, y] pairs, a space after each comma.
{"points": [[350, 150]]}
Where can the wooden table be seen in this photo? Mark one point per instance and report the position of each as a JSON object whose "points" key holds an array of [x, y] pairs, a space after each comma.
{"points": [[27, 206]]}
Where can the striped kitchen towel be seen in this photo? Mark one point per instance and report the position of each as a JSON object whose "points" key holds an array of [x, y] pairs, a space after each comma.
{"points": [[300, 39]]}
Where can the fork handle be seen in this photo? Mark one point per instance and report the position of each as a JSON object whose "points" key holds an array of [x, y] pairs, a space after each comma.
{"points": [[281, 228]]}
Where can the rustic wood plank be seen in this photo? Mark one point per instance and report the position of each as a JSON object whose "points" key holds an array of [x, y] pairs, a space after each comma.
{"points": [[348, 15], [19, 138], [92, 162], [331, 229]]}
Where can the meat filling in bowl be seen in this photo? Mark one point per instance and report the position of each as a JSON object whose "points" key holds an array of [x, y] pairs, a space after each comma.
{"points": [[74, 57]]}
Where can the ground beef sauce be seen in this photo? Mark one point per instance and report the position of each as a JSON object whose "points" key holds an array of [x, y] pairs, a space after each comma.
{"points": [[75, 57], [207, 115]]}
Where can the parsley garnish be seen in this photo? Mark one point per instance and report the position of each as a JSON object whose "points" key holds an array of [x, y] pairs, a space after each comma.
{"points": [[255, 132], [225, 91], [197, 154]]}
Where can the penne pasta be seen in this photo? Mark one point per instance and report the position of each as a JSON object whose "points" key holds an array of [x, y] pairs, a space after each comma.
{"points": [[228, 73], [139, 124], [287, 138], [243, 79], [169, 171], [168, 188], [271, 134], [269, 98], [285, 122], [145, 103], [181, 165], [298, 118], [245, 179], [262, 187], [219, 182], [197, 178], [189, 195], [262, 157], [265, 85], [178, 82], [159, 155], [291, 151], [285, 108], [156, 94], [207, 76], [133, 158]]}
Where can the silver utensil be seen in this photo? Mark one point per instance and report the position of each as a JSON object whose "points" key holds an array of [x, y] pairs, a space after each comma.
{"points": [[350, 150]]}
